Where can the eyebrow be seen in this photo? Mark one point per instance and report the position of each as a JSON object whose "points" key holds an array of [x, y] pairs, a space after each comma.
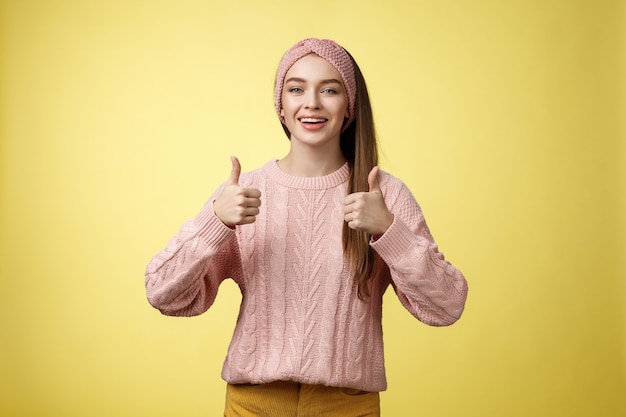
{"points": [[302, 80]]}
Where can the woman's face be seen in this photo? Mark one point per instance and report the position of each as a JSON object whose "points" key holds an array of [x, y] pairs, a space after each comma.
{"points": [[315, 102]]}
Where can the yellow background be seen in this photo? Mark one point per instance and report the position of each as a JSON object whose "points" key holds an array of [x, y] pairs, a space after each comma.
{"points": [[505, 118]]}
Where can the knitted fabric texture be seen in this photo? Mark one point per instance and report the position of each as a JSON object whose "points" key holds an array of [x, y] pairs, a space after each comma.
{"points": [[300, 317], [331, 52]]}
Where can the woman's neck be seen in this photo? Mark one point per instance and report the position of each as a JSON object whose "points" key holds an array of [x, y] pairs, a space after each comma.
{"points": [[308, 164]]}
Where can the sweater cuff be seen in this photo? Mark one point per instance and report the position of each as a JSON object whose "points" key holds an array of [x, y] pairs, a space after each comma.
{"points": [[210, 228], [395, 243]]}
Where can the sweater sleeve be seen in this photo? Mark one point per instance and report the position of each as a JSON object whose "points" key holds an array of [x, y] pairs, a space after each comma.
{"points": [[182, 279], [428, 286]]}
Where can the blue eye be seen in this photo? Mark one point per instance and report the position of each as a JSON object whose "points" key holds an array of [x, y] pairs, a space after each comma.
{"points": [[295, 90], [330, 91]]}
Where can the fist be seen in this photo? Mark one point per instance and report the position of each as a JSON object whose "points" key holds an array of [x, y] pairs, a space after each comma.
{"points": [[237, 205]]}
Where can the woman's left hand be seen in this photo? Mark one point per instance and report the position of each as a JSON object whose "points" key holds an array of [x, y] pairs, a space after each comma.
{"points": [[367, 210]]}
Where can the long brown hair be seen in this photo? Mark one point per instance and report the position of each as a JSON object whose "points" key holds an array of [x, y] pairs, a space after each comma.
{"points": [[360, 148]]}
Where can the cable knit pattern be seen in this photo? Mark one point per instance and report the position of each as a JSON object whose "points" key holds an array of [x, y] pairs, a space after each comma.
{"points": [[300, 317]]}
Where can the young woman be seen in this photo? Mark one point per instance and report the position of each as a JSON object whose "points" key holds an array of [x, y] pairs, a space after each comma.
{"points": [[313, 240]]}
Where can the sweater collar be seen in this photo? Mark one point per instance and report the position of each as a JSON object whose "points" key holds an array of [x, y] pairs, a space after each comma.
{"points": [[331, 180]]}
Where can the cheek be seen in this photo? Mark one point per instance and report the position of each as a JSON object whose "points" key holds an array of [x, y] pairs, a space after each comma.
{"points": [[346, 112], [286, 106], [346, 106]]}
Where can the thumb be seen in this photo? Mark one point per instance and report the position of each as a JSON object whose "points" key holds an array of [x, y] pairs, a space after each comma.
{"points": [[235, 171], [372, 180]]}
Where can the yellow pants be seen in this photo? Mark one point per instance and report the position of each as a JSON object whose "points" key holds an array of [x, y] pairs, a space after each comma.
{"points": [[290, 399]]}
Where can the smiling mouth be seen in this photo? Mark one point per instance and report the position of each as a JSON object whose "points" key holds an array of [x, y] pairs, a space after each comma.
{"points": [[313, 120]]}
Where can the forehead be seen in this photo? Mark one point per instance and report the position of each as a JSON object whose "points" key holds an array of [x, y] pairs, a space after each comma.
{"points": [[311, 67]]}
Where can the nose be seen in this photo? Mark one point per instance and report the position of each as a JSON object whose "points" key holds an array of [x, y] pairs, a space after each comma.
{"points": [[312, 100]]}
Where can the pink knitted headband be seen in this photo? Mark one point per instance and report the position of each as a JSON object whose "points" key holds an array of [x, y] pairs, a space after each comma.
{"points": [[331, 52]]}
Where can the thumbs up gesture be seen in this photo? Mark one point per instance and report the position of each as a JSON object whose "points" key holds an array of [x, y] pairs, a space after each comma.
{"points": [[237, 205], [367, 210]]}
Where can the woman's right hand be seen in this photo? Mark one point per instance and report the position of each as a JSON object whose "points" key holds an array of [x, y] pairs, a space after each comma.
{"points": [[237, 205]]}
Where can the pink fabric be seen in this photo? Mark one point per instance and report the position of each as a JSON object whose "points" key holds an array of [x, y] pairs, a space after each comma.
{"points": [[300, 318], [331, 52]]}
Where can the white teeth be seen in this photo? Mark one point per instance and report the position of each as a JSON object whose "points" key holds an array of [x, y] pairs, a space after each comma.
{"points": [[312, 120]]}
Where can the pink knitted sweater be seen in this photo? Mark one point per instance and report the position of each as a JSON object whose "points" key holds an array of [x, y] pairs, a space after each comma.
{"points": [[300, 317]]}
